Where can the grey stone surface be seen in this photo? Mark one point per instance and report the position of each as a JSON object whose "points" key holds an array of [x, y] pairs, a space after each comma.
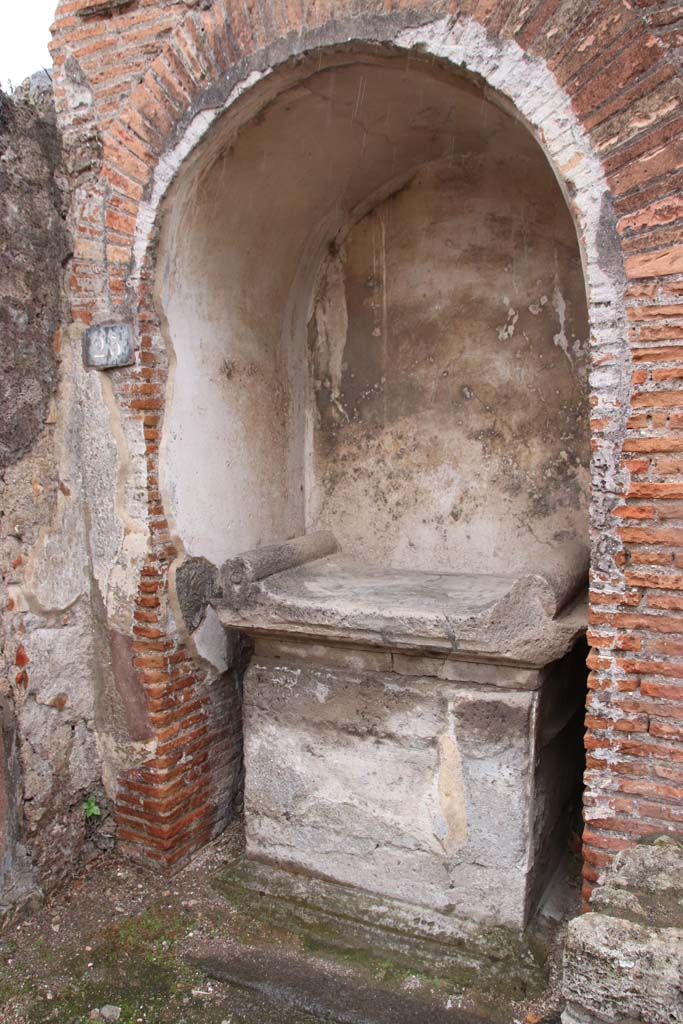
{"points": [[33, 244], [69, 536], [645, 884], [46, 653], [623, 962], [480, 617], [414, 788], [276, 558], [110, 1012], [618, 972], [195, 582]]}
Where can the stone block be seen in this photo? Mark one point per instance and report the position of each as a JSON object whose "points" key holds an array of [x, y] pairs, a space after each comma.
{"points": [[619, 972], [414, 788], [624, 961]]}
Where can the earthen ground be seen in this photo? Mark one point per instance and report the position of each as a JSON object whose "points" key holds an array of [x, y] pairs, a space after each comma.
{"points": [[179, 951]]}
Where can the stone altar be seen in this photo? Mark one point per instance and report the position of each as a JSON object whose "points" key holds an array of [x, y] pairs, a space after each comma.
{"points": [[411, 734]]}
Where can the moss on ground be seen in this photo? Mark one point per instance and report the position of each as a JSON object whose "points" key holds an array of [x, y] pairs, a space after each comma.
{"points": [[132, 964], [490, 974], [154, 960], [135, 964]]}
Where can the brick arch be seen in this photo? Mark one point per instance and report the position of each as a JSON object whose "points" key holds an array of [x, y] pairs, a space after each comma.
{"points": [[599, 91]]}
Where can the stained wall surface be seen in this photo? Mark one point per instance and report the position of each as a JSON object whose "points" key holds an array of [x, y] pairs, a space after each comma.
{"points": [[443, 794], [374, 297], [452, 411], [48, 754]]}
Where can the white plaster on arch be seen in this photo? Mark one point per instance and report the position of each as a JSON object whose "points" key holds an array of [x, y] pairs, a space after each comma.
{"points": [[168, 167], [505, 67], [535, 98]]}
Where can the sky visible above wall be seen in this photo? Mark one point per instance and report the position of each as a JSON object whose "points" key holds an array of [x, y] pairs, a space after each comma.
{"points": [[24, 35]]}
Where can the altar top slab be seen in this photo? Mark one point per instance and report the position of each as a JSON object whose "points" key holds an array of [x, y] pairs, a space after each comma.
{"points": [[477, 617]]}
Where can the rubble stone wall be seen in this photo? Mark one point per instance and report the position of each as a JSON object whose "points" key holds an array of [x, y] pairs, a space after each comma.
{"points": [[138, 85], [49, 760]]}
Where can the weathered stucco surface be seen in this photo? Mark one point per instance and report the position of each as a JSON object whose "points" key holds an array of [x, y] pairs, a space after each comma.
{"points": [[67, 725], [450, 354], [50, 757], [409, 365]]}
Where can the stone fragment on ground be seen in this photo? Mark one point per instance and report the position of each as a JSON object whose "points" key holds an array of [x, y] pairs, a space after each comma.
{"points": [[624, 961], [110, 1012]]}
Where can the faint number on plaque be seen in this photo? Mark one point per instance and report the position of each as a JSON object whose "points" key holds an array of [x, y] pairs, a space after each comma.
{"points": [[109, 345]]}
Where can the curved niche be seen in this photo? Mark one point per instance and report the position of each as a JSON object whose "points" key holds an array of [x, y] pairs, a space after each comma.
{"points": [[374, 296], [373, 293]]}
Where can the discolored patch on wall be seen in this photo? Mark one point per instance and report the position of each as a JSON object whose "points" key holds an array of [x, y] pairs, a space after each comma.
{"points": [[129, 688], [450, 367]]}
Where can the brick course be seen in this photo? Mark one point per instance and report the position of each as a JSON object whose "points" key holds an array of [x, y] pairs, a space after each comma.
{"points": [[147, 68]]}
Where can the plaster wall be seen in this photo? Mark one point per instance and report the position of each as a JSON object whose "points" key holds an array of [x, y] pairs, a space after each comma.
{"points": [[453, 431], [375, 307]]}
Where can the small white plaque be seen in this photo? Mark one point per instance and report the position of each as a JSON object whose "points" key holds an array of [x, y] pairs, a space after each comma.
{"points": [[109, 345]]}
